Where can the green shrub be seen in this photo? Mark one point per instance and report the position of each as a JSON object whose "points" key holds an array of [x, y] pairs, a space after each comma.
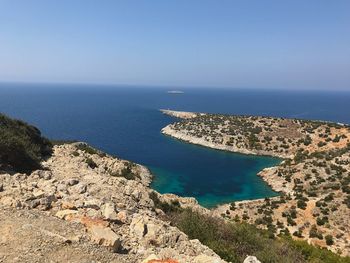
{"points": [[91, 163], [321, 144], [329, 197], [347, 201], [21, 146], [301, 204], [127, 172], [329, 240], [87, 149], [173, 206], [298, 233], [336, 138], [314, 233], [321, 221], [307, 140]]}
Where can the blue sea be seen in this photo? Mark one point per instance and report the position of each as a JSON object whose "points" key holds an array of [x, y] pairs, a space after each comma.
{"points": [[126, 122]]}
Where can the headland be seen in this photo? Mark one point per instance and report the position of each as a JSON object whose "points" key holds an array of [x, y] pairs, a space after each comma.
{"points": [[313, 178]]}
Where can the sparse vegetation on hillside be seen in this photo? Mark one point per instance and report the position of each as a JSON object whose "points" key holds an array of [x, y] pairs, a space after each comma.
{"points": [[271, 136], [88, 149], [21, 146], [233, 241], [127, 172], [313, 178]]}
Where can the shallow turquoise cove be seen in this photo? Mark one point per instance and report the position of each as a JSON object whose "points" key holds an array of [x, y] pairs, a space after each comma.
{"points": [[214, 177]]}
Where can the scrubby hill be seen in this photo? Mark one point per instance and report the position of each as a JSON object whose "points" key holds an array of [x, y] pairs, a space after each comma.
{"points": [[21, 146], [313, 178]]}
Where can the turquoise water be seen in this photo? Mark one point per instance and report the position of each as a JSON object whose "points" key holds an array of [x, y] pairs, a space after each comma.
{"points": [[126, 122], [215, 177]]}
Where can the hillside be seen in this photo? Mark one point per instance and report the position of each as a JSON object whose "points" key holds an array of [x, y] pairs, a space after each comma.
{"points": [[85, 205], [313, 179], [22, 147]]}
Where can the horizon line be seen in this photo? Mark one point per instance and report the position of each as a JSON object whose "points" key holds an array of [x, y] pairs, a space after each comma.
{"points": [[168, 86]]}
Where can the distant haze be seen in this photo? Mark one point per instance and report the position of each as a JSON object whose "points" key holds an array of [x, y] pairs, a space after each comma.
{"points": [[291, 44]]}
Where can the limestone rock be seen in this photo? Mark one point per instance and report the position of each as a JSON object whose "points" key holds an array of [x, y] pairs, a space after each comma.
{"points": [[161, 261], [92, 203], [38, 193], [33, 203], [62, 188], [206, 259], [153, 230], [63, 213], [72, 181], [251, 259], [78, 188], [104, 236], [43, 174], [138, 227], [122, 216], [108, 211], [47, 175], [149, 258], [68, 205], [46, 202]]}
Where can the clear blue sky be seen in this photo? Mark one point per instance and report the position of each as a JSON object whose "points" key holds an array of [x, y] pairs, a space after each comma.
{"points": [[298, 44]]}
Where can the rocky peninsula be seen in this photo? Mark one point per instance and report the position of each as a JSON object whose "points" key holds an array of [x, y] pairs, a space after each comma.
{"points": [[313, 178]]}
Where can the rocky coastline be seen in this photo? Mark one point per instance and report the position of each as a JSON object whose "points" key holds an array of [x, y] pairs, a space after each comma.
{"points": [[69, 202], [310, 174]]}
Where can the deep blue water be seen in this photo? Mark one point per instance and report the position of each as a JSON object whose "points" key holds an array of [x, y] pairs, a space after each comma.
{"points": [[125, 121]]}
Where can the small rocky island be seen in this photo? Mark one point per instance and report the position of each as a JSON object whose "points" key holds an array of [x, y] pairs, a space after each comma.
{"points": [[313, 179], [69, 202]]}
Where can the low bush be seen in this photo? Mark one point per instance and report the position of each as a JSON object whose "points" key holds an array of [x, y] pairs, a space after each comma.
{"points": [[173, 206], [329, 240], [21, 146], [87, 149], [91, 163], [315, 233], [126, 172]]}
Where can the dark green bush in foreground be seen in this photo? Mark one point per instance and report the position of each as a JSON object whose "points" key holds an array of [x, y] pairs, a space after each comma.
{"points": [[234, 241], [21, 146]]}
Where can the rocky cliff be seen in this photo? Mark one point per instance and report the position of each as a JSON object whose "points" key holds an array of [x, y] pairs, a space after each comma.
{"points": [[84, 206]]}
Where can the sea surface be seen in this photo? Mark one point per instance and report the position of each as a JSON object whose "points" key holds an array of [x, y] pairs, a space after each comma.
{"points": [[125, 121]]}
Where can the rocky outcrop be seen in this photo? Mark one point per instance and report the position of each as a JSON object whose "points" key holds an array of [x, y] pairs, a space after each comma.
{"points": [[251, 259], [180, 114], [107, 204]]}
